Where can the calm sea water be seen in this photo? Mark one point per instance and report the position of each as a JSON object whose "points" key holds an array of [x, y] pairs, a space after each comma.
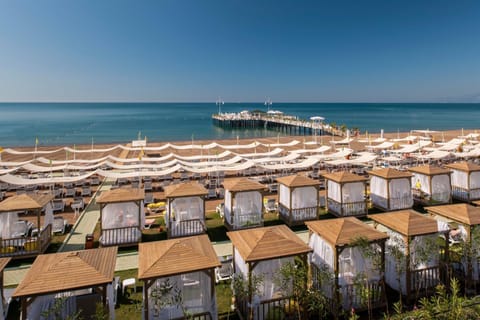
{"points": [[79, 123]]}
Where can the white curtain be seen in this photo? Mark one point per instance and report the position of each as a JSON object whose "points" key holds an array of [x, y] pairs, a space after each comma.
{"points": [[284, 195], [353, 192], [304, 197], [421, 182], [334, 190], [48, 215], [241, 268], [269, 271], [395, 243], [400, 193], [441, 188], [187, 208], [118, 215], [420, 259], [249, 202], [228, 204], [195, 290], [7, 221], [322, 256], [460, 179], [46, 303], [378, 186], [475, 180]]}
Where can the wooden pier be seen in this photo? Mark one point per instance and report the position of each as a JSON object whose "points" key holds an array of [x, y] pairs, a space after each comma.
{"points": [[280, 122]]}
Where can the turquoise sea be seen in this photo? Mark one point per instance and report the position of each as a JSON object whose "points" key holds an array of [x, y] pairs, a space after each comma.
{"points": [[79, 123]]}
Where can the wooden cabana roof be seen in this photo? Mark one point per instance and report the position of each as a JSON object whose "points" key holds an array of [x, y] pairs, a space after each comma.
{"points": [[389, 173], [4, 262], [297, 181], [344, 177], [25, 202], [59, 272], [344, 231], [188, 189], [429, 170], [121, 195], [176, 256], [464, 166], [461, 212], [406, 222], [243, 184], [267, 243]]}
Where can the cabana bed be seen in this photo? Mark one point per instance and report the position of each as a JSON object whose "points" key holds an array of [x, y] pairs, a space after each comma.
{"points": [[390, 189], [16, 239], [358, 272], [122, 216], [298, 199], [261, 252], [80, 278], [467, 231], [416, 252], [178, 267], [243, 203], [465, 181], [346, 194], [431, 185], [185, 214]]}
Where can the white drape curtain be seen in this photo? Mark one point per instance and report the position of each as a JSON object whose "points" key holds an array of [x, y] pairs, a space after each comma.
{"points": [[7, 221], [249, 202], [48, 219], [441, 188], [187, 208], [228, 205], [353, 192], [395, 243], [475, 180], [284, 195], [45, 303], [269, 271], [460, 179], [424, 260], [378, 186], [421, 182], [304, 197], [322, 256], [118, 215], [195, 290], [334, 190], [400, 193]]}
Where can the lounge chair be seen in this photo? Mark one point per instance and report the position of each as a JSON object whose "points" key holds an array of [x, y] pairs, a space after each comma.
{"points": [[271, 205], [86, 191], [272, 188], [21, 228], [70, 192], [94, 181], [220, 209], [148, 223], [225, 272], [147, 186], [59, 225], [58, 205], [212, 193], [148, 198]]}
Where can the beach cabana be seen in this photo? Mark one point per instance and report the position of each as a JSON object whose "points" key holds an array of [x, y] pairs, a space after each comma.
{"points": [[463, 222], [416, 251], [465, 181], [259, 254], [431, 185], [181, 270], [185, 214], [298, 199], [348, 263], [5, 300], [122, 216], [17, 240], [69, 282], [346, 194], [243, 203], [390, 189]]}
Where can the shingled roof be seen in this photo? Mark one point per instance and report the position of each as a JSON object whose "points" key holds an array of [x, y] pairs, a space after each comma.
{"points": [[344, 231], [406, 222], [464, 166], [25, 202], [188, 189], [297, 181], [243, 184], [429, 170], [121, 195], [267, 243], [461, 212], [344, 177], [176, 256], [65, 271], [389, 173]]}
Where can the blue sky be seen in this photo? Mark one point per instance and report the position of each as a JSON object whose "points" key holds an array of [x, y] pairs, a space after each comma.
{"points": [[312, 51]]}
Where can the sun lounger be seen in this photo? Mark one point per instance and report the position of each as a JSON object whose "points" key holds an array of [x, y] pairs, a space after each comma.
{"points": [[147, 186], [225, 272], [148, 198], [59, 225], [271, 205], [58, 205], [21, 228], [148, 223]]}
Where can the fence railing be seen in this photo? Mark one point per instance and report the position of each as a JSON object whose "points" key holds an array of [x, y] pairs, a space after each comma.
{"points": [[120, 236], [186, 228], [26, 246], [347, 209], [297, 215]]}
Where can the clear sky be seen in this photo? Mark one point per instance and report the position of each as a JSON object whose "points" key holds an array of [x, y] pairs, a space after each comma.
{"points": [[242, 50]]}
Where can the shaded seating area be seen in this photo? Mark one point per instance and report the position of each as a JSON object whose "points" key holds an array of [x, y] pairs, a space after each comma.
{"points": [[59, 225], [5, 301], [260, 253], [71, 282], [416, 252], [185, 214], [17, 240], [243, 203], [122, 216], [465, 181], [462, 221], [390, 189], [182, 268], [346, 194], [298, 199], [348, 263], [431, 185]]}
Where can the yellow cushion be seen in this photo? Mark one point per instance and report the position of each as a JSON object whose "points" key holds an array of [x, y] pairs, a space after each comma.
{"points": [[30, 245], [7, 250]]}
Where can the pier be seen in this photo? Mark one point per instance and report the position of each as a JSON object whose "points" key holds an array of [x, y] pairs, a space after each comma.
{"points": [[275, 121]]}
